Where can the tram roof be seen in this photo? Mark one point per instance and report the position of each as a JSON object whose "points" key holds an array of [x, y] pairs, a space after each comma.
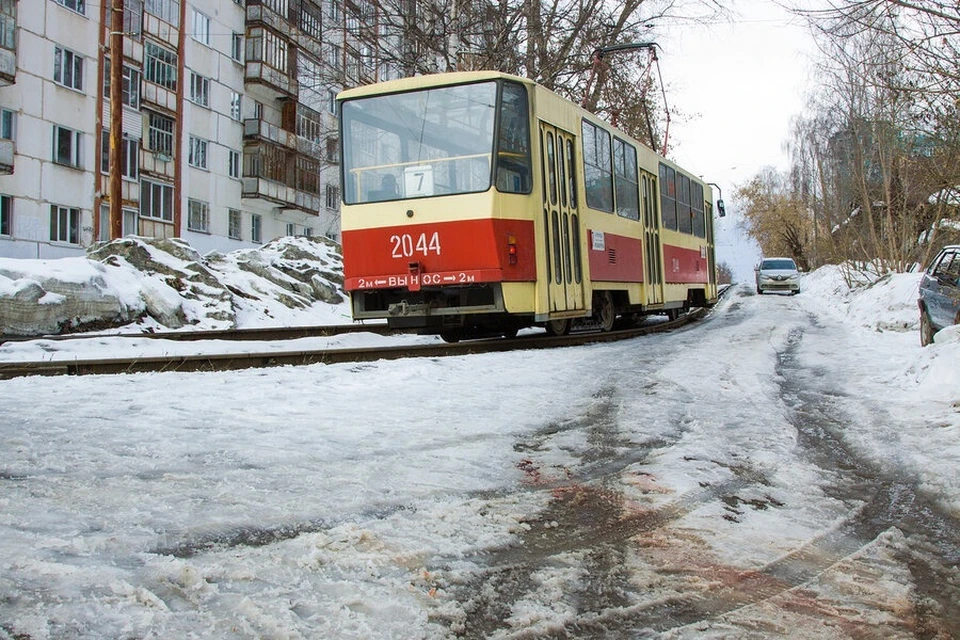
{"points": [[427, 81]]}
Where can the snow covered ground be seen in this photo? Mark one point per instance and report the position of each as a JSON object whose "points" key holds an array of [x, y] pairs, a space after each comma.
{"points": [[368, 501]]}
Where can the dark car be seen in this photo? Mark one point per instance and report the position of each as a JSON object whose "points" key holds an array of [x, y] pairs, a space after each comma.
{"points": [[940, 294]]}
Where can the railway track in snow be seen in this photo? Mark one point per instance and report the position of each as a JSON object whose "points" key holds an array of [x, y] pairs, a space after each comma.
{"points": [[297, 357]]}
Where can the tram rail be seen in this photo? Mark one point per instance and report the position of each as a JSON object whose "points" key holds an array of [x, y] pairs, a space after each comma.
{"points": [[236, 361]]}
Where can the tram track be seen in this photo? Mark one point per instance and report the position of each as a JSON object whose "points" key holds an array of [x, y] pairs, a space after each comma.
{"points": [[261, 359], [239, 335]]}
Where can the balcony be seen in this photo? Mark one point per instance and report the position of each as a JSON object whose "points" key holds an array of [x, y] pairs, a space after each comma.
{"points": [[285, 196], [254, 129], [274, 173], [271, 13], [6, 157], [8, 67], [283, 85]]}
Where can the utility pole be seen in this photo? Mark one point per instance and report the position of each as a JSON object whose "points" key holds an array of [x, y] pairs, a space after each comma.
{"points": [[116, 120]]}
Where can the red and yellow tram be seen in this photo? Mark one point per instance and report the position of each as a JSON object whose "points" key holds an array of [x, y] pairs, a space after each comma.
{"points": [[480, 203]]}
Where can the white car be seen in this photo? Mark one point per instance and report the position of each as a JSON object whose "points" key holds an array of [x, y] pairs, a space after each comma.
{"points": [[778, 274]]}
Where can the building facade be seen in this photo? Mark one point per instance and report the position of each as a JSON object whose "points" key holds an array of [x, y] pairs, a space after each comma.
{"points": [[229, 126]]}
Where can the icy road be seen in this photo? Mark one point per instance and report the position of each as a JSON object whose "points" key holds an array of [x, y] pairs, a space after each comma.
{"points": [[762, 473]]}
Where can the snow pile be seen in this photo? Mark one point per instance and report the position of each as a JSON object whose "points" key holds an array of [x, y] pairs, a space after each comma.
{"points": [[144, 284], [886, 303]]}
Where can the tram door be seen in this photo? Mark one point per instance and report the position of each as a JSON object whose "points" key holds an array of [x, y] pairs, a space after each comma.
{"points": [[653, 261], [561, 219]]}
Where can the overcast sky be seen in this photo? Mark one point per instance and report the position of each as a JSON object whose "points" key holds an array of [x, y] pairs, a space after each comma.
{"points": [[734, 87]]}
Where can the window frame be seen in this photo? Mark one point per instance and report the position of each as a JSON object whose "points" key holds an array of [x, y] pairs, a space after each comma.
{"points": [[256, 228], [198, 216], [234, 159], [149, 189], [130, 155], [78, 6], [130, 90], [592, 155], [197, 151], [199, 89], [75, 153], [159, 139], [160, 65], [200, 26], [68, 233], [234, 224], [6, 215], [68, 68]]}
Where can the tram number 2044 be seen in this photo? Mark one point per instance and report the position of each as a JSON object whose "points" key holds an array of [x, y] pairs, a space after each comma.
{"points": [[406, 245]]}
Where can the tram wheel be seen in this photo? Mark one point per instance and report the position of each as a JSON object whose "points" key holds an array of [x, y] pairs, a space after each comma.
{"points": [[605, 310], [558, 327], [451, 336]]}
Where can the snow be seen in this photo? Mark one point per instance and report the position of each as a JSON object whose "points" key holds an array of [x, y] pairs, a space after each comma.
{"points": [[361, 500]]}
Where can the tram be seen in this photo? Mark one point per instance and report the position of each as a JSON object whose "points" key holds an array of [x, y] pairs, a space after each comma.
{"points": [[479, 203]]}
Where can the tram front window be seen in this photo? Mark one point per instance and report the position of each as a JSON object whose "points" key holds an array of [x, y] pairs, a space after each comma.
{"points": [[437, 141]]}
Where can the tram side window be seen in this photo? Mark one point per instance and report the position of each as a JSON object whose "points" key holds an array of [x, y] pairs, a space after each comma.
{"points": [[625, 178], [699, 225], [668, 197], [513, 151], [571, 174], [684, 223], [597, 171]]}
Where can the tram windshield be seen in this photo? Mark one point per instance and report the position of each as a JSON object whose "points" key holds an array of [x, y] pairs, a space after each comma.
{"points": [[437, 141]]}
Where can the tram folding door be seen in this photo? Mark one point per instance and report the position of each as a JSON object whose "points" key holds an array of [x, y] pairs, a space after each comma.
{"points": [[561, 221]]}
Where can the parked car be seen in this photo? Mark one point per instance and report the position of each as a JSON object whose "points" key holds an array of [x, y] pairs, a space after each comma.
{"points": [[778, 274], [939, 298]]}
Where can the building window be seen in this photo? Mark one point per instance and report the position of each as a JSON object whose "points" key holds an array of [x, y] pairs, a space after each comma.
{"points": [[128, 225], [6, 215], [130, 93], [66, 146], [334, 56], [156, 200], [160, 65], [64, 224], [268, 47], [310, 21], [75, 5], [199, 89], [235, 105], [333, 149], [234, 164], [236, 47], [130, 155], [332, 101], [198, 153], [8, 124], [133, 22], [291, 229], [333, 197], [256, 224], [198, 216], [233, 222], [166, 10], [308, 232], [160, 134], [68, 68], [201, 27]]}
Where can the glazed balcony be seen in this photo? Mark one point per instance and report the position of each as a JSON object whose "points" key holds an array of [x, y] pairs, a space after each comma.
{"points": [[6, 157]]}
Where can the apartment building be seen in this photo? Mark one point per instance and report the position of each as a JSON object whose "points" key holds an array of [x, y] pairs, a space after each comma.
{"points": [[229, 127]]}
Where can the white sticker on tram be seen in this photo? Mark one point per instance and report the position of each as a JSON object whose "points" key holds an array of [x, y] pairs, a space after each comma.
{"points": [[598, 240]]}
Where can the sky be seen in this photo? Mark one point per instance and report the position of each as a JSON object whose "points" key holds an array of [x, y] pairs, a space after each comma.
{"points": [[364, 500], [735, 85]]}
